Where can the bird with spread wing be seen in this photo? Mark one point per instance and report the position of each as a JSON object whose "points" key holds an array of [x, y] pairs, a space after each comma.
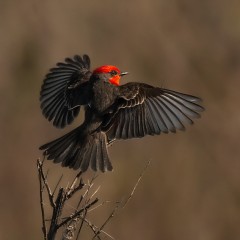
{"points": [[112, 111]]}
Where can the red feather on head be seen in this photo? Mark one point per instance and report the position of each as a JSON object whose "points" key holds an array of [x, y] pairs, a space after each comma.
{"points": [[108, 69]]}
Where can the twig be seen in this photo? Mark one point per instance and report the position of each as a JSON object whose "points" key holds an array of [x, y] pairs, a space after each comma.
{"points": [[95, 192], [105, 223], [77, 213], [57, 210], [93, 227], [124, 205], [90, 184], [99, 205], [59, 180], [44, 229], [72, 188], [81, 225], [135, 186], [50, 195], [79, 217], [86, 211], [85, 195]]}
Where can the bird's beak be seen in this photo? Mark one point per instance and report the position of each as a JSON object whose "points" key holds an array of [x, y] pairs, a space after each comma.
{"points": [[123, 73]]}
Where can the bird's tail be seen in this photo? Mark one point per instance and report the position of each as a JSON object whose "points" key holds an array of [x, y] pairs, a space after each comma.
{"points": [[78, 151]]}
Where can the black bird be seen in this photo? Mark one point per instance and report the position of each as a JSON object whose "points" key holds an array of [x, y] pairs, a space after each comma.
{"points": [[112, 111]]}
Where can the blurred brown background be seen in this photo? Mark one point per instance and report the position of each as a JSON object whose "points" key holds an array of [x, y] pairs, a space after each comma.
{"points": [[192, 188]]}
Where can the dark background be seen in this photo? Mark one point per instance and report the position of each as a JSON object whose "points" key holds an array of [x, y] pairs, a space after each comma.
{"points": [[191, 190]]}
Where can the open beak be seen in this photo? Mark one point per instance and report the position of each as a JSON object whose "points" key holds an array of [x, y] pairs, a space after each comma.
{"points": [[123, 73]]}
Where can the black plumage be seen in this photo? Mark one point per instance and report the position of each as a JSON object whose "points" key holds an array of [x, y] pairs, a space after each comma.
{"points": [[60, 101], [112, 112]]}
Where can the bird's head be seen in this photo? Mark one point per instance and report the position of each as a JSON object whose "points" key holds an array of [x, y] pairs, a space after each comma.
{"points": [[112, 73]]}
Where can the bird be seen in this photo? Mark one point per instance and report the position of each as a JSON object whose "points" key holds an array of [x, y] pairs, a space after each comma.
{"points": [[111, 112]]}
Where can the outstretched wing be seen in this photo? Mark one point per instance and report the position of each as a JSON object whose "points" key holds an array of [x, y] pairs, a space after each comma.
{"points": [[145, 110], [64, 89]]}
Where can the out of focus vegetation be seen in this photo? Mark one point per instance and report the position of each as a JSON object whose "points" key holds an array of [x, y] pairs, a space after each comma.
{"points": [[192, 188]]}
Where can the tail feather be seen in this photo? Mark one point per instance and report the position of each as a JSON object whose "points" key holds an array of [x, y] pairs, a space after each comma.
{"points": [[78, 151], [76, 160], [68, 156], [93, 157], [100, 159], [85, 160], [60, 144], [105, 159]]}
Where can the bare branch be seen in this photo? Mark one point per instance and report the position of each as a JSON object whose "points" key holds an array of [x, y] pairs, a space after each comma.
{"points": [[79, 217], [92, 226], [72, 188], [81, 225], [135, 186], [57, 211], [75, 189], [44, 229], [77, 213], [59, 180], [124, 205], [90, 184], [44, 179], [105, 223], [99, 205]]}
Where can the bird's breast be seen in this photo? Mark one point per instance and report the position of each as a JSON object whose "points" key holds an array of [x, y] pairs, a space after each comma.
{"points": [[103, 96]]}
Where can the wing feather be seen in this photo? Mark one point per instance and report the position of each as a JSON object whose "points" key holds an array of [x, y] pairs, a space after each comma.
{"points": [[146, 110], [64, 89]]}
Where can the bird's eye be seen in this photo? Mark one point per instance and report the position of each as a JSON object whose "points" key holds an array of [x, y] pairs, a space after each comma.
{"points": [[113, 72]]}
